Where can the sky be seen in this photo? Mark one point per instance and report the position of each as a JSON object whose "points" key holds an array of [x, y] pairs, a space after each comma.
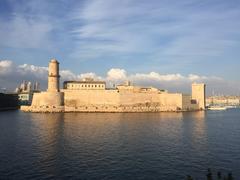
{"points": [[163, 43]]}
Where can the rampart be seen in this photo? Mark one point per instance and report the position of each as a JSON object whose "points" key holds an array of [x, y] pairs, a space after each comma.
{"points": [[124, 98]]}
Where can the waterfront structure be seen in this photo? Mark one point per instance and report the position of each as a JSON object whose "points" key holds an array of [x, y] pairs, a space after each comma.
{"points": [[93, 96], [52, 99], [223, 101], [25, 92], [53, 76], [198, 94], [85, 84], [25, 98]]}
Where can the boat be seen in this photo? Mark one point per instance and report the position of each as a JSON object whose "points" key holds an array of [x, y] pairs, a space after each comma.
{"points": [[231, 107], [217, 108]]}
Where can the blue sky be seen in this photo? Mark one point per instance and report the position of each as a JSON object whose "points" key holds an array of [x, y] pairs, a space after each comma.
{"points": [[199, 37]]}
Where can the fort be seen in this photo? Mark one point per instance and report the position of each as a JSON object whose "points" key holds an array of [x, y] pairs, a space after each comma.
{"points": [[89, 95]]}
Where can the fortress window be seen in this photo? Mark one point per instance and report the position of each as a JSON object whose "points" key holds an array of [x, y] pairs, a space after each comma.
{"points": [[193, 101], [95, 85]]}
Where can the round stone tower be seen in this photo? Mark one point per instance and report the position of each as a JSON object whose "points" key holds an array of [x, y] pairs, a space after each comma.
{"points": [[51, 100], [53, 76]]}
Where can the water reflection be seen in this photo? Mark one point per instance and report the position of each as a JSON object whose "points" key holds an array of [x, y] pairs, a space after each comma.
{"points": [[79, 129], [195, 138], [117, 145], [89, 139], [49, 132], [199, 124]]}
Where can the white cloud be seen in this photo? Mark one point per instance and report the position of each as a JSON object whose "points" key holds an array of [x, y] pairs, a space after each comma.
{"points": [[157, 77], [116, 75], [6, 67], [35, 71], [175, 35], [5, 64], [11, 75], [69, 75], [179, 32], [89, 75]]}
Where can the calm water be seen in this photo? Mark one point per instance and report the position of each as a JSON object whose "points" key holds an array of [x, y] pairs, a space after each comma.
{"points": [[118, 146]]}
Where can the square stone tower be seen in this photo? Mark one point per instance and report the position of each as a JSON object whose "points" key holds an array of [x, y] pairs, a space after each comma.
{"points": [[198, 94]]}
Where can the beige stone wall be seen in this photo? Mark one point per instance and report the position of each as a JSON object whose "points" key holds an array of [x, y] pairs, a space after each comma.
{"points": [[49, 99], [43, 109], [124, 101], [188, 104], [74, 98], [131, 98], [168, 99], [110, 101], [109, 108], [198, 94]]}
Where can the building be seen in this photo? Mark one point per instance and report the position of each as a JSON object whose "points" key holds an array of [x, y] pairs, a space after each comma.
{"points": [[93, 96], [51, 100], [223, 101], [198, 94], [25, 92], [86, 84], [25, 98]]}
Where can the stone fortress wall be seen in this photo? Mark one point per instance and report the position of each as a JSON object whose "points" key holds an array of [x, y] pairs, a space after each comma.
{"points": [[124, 98], [115, 101], [51, 100]]}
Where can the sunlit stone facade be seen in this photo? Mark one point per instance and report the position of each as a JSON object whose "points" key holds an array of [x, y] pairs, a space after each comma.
{"points": [[93, 96], [86, 84], [51, 100], [53, 76], [198, 94]]}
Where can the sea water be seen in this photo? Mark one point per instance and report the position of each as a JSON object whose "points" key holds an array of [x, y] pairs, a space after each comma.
{"points": [[166, 146]]}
